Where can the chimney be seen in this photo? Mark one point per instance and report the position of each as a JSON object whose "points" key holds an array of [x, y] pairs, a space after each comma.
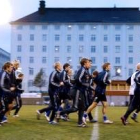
{"points": [[41, 9]]}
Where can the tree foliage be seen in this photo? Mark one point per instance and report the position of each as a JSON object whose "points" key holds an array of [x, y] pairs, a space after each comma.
{"points": [[40, 80]]}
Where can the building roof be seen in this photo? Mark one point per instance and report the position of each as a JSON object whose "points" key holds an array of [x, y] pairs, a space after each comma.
{"points": [[83, 15], [2, 51]]}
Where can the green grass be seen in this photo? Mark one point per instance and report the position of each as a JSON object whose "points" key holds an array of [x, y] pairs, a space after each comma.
{"points": [[117, 131], [26, 127]]}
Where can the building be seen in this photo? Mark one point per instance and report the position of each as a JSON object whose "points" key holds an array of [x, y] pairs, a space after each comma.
{"points": [[4, 57], [68, 34]]}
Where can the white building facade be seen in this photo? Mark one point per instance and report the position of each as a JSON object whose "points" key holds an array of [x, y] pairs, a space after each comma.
{"points": [[40, 44]]}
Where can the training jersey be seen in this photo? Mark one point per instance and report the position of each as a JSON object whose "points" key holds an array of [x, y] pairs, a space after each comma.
{"points": [[133, 84], [64, 77], [81, 79], [54, 80], [5, 82], [103, 79]]}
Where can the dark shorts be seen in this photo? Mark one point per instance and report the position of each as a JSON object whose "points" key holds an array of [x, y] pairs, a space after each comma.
{"points": [[100, 97]]}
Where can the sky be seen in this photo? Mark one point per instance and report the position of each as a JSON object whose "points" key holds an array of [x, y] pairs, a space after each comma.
{"points": [[21, 8]]}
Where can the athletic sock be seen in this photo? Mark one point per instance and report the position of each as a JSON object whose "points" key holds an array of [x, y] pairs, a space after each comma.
{"points": [[134, 115], [104, 117], [85, 115]]}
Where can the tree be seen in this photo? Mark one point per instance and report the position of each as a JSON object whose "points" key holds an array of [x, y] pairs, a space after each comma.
{"points": [[40, 80]]}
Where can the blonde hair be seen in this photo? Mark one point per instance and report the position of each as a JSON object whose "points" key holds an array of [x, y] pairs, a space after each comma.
{"points": [[70, 72], [138, 66], [56, 65]]}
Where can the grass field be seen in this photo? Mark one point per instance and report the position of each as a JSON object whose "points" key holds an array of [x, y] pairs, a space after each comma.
{"points": [[26, 127], [117, 131]]}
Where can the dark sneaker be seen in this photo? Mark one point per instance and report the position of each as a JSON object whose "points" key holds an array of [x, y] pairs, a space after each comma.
{"points": [[4, 120], [64, 118], [93, 121], [134, 119], [81, 125], [53, 122], [123, 120]]}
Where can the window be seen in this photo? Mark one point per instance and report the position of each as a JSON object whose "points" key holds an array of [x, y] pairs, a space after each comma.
{"points": [[117, 27], [93, 27], [44, 48], [57, 27], [69, 27], [105, 49], [130, 72], [32, 27], [68, 37], [80, 58], [56, 59], [130, 60], [117, 71], [68, 49], [57, 49], [117, 60], [31, 37], [19, 27], [117, 38], [19, 37], [130, 27], [81, 49], [57, 37], [105, 60], [19, 59], [81, 37], [93, 59], [93, 37], [69, 59], [19, 48], [44, 27], [31, 60], [44, 60], [81, 27], [130, 49], [130, 38], [105, 38], [30, 83], [105, 27], [31, 71], [44, 37], [31, 48], [117, 49], [93, 49]]}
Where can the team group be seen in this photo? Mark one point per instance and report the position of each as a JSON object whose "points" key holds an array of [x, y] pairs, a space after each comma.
{"points": [[79, 93]]}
